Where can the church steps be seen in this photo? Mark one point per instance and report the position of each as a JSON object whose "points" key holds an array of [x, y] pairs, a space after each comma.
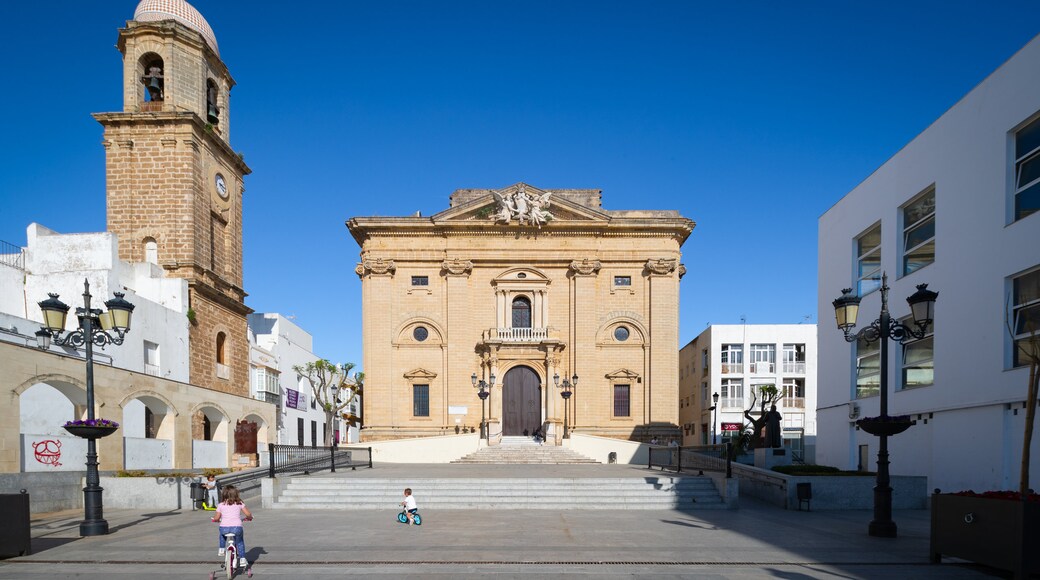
{"points": [[524, 450], [664, 492]]}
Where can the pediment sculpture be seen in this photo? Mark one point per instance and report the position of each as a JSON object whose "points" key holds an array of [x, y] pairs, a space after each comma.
{"points": [[522, 206]]}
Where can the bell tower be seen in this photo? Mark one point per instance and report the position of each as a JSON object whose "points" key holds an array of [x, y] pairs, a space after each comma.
{"points": [[174, 185]]}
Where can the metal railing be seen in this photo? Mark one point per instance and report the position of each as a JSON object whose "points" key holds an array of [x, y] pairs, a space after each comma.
{"points": [[300, 459], [797, 368], [732, 368], [693, 457], [12, 255], [793, 402]]}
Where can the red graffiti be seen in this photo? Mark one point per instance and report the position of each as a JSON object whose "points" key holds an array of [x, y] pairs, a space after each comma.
{"points": [[48, 452]]}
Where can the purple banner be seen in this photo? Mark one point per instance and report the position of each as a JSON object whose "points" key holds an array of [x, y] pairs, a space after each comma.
{"points": [[292, 398]]}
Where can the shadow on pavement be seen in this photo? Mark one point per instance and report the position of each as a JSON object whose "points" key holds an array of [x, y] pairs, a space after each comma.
{"points": [[144, 518], [44, 544], [253, 554], [688, 524]]}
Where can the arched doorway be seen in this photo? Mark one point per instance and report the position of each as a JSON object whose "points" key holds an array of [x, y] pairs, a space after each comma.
{"points": [[521, 401]]}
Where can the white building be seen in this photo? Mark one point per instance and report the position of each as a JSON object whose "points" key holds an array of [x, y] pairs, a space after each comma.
{"points": [[276, 346], [734, 361], [955, 208]]}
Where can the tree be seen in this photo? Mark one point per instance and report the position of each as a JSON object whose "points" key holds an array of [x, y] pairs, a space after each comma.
{"points": [[769, 396], [334, 389], [1029, 350]]}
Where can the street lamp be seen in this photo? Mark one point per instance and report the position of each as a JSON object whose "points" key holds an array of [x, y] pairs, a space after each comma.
{"points": [[95, 327], [485, 391], [566, 390], [714, 416], [846, 309]]}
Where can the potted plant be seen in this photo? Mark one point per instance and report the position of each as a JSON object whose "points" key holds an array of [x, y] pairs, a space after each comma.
{"points": [[91, 428], [885, 425], [997, 528]]}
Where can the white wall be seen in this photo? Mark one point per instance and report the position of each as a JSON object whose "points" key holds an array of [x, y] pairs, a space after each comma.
{"points": [[140, 453], [208, 454], [49, 452], [970, 438]]}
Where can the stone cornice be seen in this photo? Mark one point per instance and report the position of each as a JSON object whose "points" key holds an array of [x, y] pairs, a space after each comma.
{"points": [[375, 267], [181, 117], [661, 266]]}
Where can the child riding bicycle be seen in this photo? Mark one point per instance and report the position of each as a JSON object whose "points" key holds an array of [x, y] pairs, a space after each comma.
{"points": [[229, 515]]}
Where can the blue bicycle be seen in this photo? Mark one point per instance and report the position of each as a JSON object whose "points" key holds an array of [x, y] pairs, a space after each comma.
{"points": [[401, 517]]}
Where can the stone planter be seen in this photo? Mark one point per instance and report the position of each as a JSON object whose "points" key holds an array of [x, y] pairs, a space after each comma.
{"points": [[90, 432], [884, 427], [1000, 533]]}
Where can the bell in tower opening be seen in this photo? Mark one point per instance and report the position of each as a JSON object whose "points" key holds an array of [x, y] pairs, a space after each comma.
{"points": [[153, 79], [212, 111]]}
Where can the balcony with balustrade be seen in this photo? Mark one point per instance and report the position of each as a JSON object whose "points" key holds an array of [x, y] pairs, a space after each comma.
{"points": [[794, 368], [521, 335]]}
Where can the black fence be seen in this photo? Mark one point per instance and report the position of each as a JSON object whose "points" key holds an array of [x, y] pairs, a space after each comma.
{"points": [[298, 459], [694, 457]]}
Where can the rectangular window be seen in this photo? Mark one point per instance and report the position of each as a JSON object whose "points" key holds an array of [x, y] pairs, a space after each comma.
{"points": [[868, 261], [299, 431], [151, 359], [794, 393], [704, 359], [622, 280], [420, 280], [1025, 316], [1027, 170], [794, 358], [704, 394], [621, 401], [314, 433], [732, 393], [421, 400], [868, 368], [763, 358], [732, 358], [919, 233], [918, 359]]}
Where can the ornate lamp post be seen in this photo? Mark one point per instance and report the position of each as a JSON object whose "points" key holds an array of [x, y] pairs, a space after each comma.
{"points": [[846, 309], [566, 390], [485, 390], [95, 327], [714, 417]]}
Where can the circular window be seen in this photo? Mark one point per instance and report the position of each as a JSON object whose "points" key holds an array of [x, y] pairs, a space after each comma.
{"points": [[420, 333], [621, 333], [521, 275]]}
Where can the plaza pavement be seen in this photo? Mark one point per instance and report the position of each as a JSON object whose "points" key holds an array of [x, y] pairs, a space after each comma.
{"points": [[757, 541]]}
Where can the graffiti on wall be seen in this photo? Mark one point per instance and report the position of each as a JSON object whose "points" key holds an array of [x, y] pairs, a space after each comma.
{"points": [[48, 452]]}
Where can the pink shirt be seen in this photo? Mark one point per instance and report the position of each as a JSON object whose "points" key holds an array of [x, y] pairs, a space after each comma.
{"points": [[230, 515]]}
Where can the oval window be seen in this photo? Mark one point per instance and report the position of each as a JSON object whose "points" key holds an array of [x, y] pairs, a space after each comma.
{"points": [[621, 333], [521, 275], [420, 333]]}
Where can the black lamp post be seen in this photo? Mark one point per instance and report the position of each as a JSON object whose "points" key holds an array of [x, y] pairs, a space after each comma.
{"points": [[485, 391], [566, 390], [846, 309], [714, 417], [94, 329]]}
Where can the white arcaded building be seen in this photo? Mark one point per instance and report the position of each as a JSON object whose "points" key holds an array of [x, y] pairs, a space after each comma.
{"points": [[956, 208]]}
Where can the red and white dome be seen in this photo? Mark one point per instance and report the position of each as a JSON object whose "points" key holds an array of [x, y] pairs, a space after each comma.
{"points": [[179, 10]]}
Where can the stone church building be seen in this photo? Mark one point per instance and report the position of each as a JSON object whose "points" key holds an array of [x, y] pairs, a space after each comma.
{"points": [[532, 288]]}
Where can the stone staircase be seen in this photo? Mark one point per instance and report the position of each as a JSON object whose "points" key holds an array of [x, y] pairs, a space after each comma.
{"points": [[524, 450], [651, 492]]}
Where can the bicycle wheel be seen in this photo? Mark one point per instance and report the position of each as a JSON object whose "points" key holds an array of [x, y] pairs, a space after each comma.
{"points": [[417, 519], [402, 518], [230, 560]]}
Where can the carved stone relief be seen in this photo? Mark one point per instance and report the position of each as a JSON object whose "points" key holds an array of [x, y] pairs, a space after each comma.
{"points": [[585, 267]]}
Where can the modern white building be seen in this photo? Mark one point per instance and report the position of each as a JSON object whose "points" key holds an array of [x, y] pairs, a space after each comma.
{"points": [[735, 361], [277, 344], [956, 208]]}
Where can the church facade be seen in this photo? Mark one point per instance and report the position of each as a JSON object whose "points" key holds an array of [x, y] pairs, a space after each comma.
{"points": [[535, 293]]}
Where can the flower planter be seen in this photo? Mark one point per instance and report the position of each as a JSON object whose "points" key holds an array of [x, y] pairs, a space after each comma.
{"points": [[886, 426], [90, 431], [1000, 533]]}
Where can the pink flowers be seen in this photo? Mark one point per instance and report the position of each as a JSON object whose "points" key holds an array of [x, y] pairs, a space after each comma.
{"points": [[92, 423]]}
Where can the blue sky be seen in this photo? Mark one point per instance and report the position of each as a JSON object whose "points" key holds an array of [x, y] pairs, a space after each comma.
{"points": [[750, 118]]}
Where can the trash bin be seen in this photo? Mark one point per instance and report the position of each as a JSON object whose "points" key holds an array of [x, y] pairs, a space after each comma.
{"points": [[14, 534], [804, 491], [612, 457], [198, 494]]}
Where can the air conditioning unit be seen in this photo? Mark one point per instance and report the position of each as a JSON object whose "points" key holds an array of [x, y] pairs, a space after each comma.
{"points": [[853, 410]]}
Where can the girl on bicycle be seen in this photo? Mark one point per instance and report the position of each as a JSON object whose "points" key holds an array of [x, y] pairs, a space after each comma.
{"points": [[229, 514]]}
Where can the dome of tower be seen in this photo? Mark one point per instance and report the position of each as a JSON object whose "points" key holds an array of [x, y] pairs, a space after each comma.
{"points": [[179, 10]]}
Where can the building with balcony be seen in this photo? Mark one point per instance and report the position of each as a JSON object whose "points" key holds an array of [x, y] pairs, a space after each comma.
{"points": [[522, 288], [957, 208], [735, 361], [278, 344]]}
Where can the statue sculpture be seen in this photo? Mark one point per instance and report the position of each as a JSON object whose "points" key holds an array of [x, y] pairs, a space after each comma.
{"points": [[522, 206], [773, 428]]}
